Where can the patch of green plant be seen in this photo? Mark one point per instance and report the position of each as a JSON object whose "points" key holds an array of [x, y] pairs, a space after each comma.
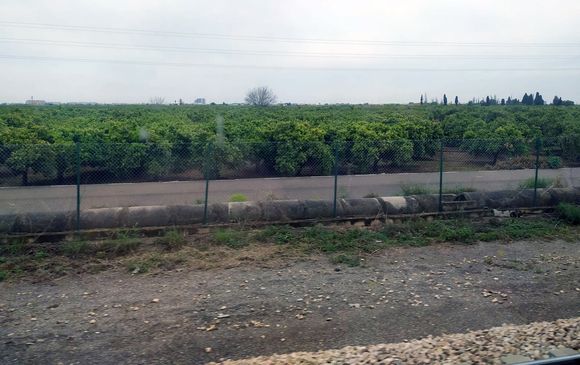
{"points": [[342, 193], [172, 239], [238, 198], [543, 183], [230, 237], [118, 247], [459, 189], [13, 249], [155, 261], [279, 234], [415, 190], [346, 259], [109, 248], [569, 213], [554, 162], [3, 275], [75, 249], [41, 254]]}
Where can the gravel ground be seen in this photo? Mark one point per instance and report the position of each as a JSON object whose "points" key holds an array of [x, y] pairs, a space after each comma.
{"points": [[478, 347], [192, 316]]}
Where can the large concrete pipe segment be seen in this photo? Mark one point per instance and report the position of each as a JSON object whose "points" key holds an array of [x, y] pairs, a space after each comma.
{"points": [[363, 207], [520, 198]]}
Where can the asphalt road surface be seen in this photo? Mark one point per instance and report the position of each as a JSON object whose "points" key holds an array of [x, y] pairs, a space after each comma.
{"points": [[63, 197]]}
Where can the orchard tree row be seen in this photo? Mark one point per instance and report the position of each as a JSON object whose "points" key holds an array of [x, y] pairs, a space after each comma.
{"points": [[130, 142]]}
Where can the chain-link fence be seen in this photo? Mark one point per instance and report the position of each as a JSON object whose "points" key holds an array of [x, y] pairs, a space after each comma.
{"points": [[78, 176]]}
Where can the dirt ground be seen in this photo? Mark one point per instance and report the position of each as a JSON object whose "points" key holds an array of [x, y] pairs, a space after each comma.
{"points": [[189, 316]]}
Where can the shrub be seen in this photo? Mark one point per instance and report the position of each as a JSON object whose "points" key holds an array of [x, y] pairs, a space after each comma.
{"points": [[569, 213], [3, 275], [238, 198]]}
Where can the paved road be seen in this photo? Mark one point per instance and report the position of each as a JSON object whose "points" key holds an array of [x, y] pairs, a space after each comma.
{"points": [[56, 198]]}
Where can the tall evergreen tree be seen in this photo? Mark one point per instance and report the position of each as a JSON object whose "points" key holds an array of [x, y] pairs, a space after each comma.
{"points": [[502, 101], [456, 100], [509, 100], [421, 99], [444, 99], [525, 99], [538, 100]]}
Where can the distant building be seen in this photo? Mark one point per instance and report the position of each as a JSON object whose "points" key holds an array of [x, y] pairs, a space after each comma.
{"points": [[34, 102], [199, 101]]}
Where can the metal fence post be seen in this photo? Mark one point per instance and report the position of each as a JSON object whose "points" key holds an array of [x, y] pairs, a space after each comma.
{"points": [[335, 168], [208, 159], [538, 147], [78, 173], [441, 143]]}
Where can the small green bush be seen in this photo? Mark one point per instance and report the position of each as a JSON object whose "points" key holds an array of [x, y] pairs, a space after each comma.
{"points": [[3, 275], [173, 239], [569, 213], [238, 198]]}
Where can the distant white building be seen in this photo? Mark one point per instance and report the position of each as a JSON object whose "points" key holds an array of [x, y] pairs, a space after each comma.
{"points": [[199, 101], [31, 101]]}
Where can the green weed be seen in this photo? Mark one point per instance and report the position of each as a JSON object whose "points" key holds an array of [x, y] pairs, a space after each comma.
{"points": [[569, 213], [238, 198], [346, 259], [415, 190], [231, 238], [172, 239]]}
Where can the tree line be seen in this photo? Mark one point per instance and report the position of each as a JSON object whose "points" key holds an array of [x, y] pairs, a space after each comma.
{"points": [[527, 99], [130, 142]]}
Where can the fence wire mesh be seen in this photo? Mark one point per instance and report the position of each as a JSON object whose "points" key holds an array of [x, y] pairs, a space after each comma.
{"points": [[44, 177]]}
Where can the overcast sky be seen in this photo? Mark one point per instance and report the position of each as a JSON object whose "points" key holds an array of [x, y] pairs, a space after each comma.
{"points": [[307, 51]]}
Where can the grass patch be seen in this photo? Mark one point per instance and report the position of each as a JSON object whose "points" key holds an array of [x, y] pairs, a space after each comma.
{"points": [[423, 190], [346, 259], [152, 261], [415, 190], [459, 189], [269, 245], [569, 213], [232, 238], [543, 183], [173, 239], [109, 248], [238, 198], [76, 249]]}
